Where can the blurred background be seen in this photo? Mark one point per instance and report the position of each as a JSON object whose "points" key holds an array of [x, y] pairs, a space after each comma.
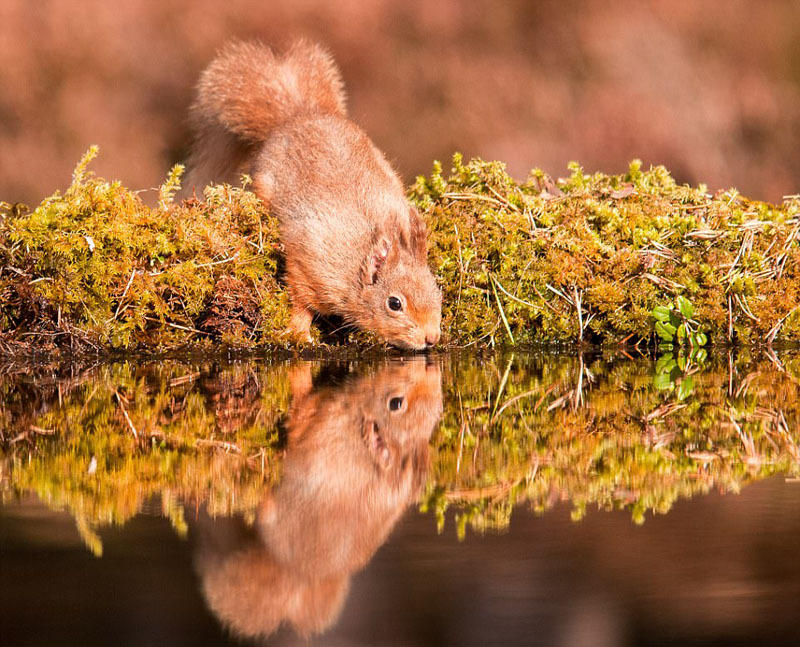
{"points": [[711, 89]]}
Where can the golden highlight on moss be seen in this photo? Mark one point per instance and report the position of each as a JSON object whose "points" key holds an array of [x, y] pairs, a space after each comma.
{"points": [[96, 269], [588, 258]]}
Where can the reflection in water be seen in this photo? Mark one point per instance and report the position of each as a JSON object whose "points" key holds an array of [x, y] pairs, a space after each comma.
{"points": [[294, 474], [356, 455], [603, 430]]}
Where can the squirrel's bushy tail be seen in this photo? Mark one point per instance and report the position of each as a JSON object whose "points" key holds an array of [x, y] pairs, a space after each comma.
{"points": [[246, 92]]}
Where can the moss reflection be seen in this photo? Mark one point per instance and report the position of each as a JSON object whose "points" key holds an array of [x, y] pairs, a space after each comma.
{"points": [[601, 430]]}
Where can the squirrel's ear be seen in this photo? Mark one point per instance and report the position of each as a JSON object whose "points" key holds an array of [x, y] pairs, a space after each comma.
{"points": [[375, 260], [418, 243]]}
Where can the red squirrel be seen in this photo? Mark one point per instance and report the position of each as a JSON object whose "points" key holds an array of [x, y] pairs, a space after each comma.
{"points": [[354, 246]]}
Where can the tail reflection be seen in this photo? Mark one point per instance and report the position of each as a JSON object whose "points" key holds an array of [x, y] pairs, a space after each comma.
{"points": [[356, 456]]}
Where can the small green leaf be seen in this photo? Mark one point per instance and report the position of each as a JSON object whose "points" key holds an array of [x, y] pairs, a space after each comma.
{"points": [[661, 313], [682, 333], [700, 339], [686, 308], [665, 363], [661, 331]]}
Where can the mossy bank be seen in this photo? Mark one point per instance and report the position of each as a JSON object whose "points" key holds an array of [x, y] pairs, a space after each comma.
{"points": [[585, 259]]}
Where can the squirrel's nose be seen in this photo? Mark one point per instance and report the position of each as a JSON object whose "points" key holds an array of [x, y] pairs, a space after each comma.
{"points": [[431, 337]]}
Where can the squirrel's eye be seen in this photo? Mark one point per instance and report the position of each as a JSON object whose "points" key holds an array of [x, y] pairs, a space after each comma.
{"points": [[394, 304], [395, 404]]}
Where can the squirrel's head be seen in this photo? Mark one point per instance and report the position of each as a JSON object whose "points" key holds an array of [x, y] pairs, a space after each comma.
{"points": [[398, 289]]}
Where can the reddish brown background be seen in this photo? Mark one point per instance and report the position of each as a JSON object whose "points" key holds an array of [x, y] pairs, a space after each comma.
{"points": [[711, 89]]}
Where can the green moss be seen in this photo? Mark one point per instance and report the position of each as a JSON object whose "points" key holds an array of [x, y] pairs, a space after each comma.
{"points": [[96, 268], [583, 259], [589, 257]]}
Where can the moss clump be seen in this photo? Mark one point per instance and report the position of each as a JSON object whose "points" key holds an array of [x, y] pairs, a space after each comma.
{"points": [[96, 268], [586, 259]]}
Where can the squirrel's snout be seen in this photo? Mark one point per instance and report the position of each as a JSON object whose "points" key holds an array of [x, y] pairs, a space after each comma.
{"points": [[432, 337], [420, 339]]}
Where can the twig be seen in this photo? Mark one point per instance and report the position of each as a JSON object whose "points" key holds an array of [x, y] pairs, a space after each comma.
{"points": [[580, 314], [578, 393], [124, 294], [191, 377], [224, 260], [476, 196], [730, 318], [178, 326], [559, 293], [127, 417], [228, 447], [511, 401], [503, 382], [773, 332], [460, 278], [504, 200], [517, 299], [742, 301], [502, 312], [665, 283]]}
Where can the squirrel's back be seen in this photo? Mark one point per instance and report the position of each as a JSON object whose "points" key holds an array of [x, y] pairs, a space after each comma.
{"points": [[246, 93]]}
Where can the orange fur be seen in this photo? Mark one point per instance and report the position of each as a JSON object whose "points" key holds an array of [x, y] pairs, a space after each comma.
{"points": [[282, 120]]}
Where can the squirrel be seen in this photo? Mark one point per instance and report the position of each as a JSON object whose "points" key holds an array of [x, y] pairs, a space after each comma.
{"points": [[353, 244]]}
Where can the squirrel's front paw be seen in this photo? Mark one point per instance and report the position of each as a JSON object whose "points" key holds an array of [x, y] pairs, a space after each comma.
{"points": [[300, 337], [300, 325]]}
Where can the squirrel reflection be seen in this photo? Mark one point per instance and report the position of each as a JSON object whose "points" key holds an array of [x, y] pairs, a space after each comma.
{"points": [[356, 456]]}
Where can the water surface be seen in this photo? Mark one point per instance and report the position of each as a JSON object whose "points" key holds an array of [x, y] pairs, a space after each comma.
{"points": [[454, 499]]}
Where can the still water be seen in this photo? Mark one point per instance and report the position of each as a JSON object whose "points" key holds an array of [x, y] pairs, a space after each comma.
{"points": [[468, 499]]}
